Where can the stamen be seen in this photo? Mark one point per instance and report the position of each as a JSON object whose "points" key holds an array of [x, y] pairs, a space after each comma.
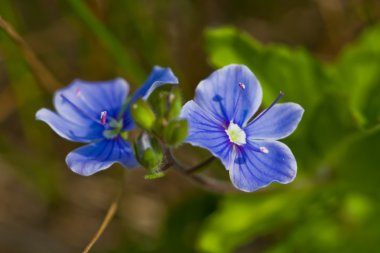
{"points": [[266, 110], [242, 88], [264, 150], [77, 92], [103, 117], [261, 149]]}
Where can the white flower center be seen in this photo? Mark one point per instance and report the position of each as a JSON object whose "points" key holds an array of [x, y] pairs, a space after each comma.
{"points": [[236, 134]]}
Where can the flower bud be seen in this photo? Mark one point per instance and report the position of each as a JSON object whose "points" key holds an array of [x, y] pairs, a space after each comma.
{"points": [[159, 99], [142, 114], [176, 132], [148, 152], [175, 104]]}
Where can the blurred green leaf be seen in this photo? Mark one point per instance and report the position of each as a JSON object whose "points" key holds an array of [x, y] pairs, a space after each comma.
{"points": [[358, 166], [358, 71], [243, 217], [115, 48]]}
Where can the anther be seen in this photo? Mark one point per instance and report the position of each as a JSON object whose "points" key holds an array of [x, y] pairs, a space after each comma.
{"points": [[103, 117], [242, 86], [264, 150], [77, 92]]}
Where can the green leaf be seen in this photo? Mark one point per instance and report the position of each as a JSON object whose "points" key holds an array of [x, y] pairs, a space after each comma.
{"points": [[116, 49], [358, 71], [243, 217]]}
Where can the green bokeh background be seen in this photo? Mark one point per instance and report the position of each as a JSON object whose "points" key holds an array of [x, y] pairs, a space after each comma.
{"points": [[324, 55]]}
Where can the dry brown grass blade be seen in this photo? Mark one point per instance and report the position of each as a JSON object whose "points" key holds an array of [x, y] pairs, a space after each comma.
{"points": [[44, 76], [107, 219]]}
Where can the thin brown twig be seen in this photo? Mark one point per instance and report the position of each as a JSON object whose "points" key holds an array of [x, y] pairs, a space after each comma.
{"points": [[107, 219], [201, 165], [45, 77], [206, 182]]}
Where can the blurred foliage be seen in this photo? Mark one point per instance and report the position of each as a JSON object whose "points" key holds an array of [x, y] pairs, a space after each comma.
{"points": [[333, 205]]}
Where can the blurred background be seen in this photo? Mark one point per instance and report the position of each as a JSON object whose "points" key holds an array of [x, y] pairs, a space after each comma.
{"points": [[324, 54]]}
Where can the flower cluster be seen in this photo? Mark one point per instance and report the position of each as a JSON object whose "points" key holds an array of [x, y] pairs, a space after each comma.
{"points": [[218, 119], [99, 114]]}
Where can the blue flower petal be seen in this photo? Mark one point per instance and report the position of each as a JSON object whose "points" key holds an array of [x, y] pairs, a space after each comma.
{"points": [[205, 132], [95, 157], [70, 130], [82, 101], [222, 95], [277, 123], [253, 170], [159, 76]]}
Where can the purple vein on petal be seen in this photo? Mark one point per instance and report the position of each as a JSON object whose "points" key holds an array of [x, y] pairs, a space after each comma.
{"points": [[83, 113]]}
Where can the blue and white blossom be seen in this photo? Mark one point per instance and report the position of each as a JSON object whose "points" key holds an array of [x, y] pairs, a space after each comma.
{"points": [[219, 120], [97, 113]]}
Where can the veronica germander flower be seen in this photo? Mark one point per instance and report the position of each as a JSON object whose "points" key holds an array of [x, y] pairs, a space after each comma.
{"points": [[97, 113], [218, 120]]}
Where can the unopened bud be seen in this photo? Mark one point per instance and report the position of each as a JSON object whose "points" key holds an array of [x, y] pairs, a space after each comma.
{"points": [[175, 104], [148, 152], [176, 132], [142, 114]]}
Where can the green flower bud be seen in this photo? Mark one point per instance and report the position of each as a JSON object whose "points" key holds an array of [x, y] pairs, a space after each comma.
{"points": [[159, 99], [159, 126], [175, 102], [148, 152], [149, 159], [142, 114], [161, 103], [176, 132]]}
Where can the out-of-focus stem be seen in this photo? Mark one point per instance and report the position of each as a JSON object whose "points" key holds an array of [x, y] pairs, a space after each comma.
{"points": [[200, 165], [206, 182]]}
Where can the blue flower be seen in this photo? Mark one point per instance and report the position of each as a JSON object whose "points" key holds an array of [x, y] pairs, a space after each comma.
{"points": [[218, 120], [97, 113]]}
